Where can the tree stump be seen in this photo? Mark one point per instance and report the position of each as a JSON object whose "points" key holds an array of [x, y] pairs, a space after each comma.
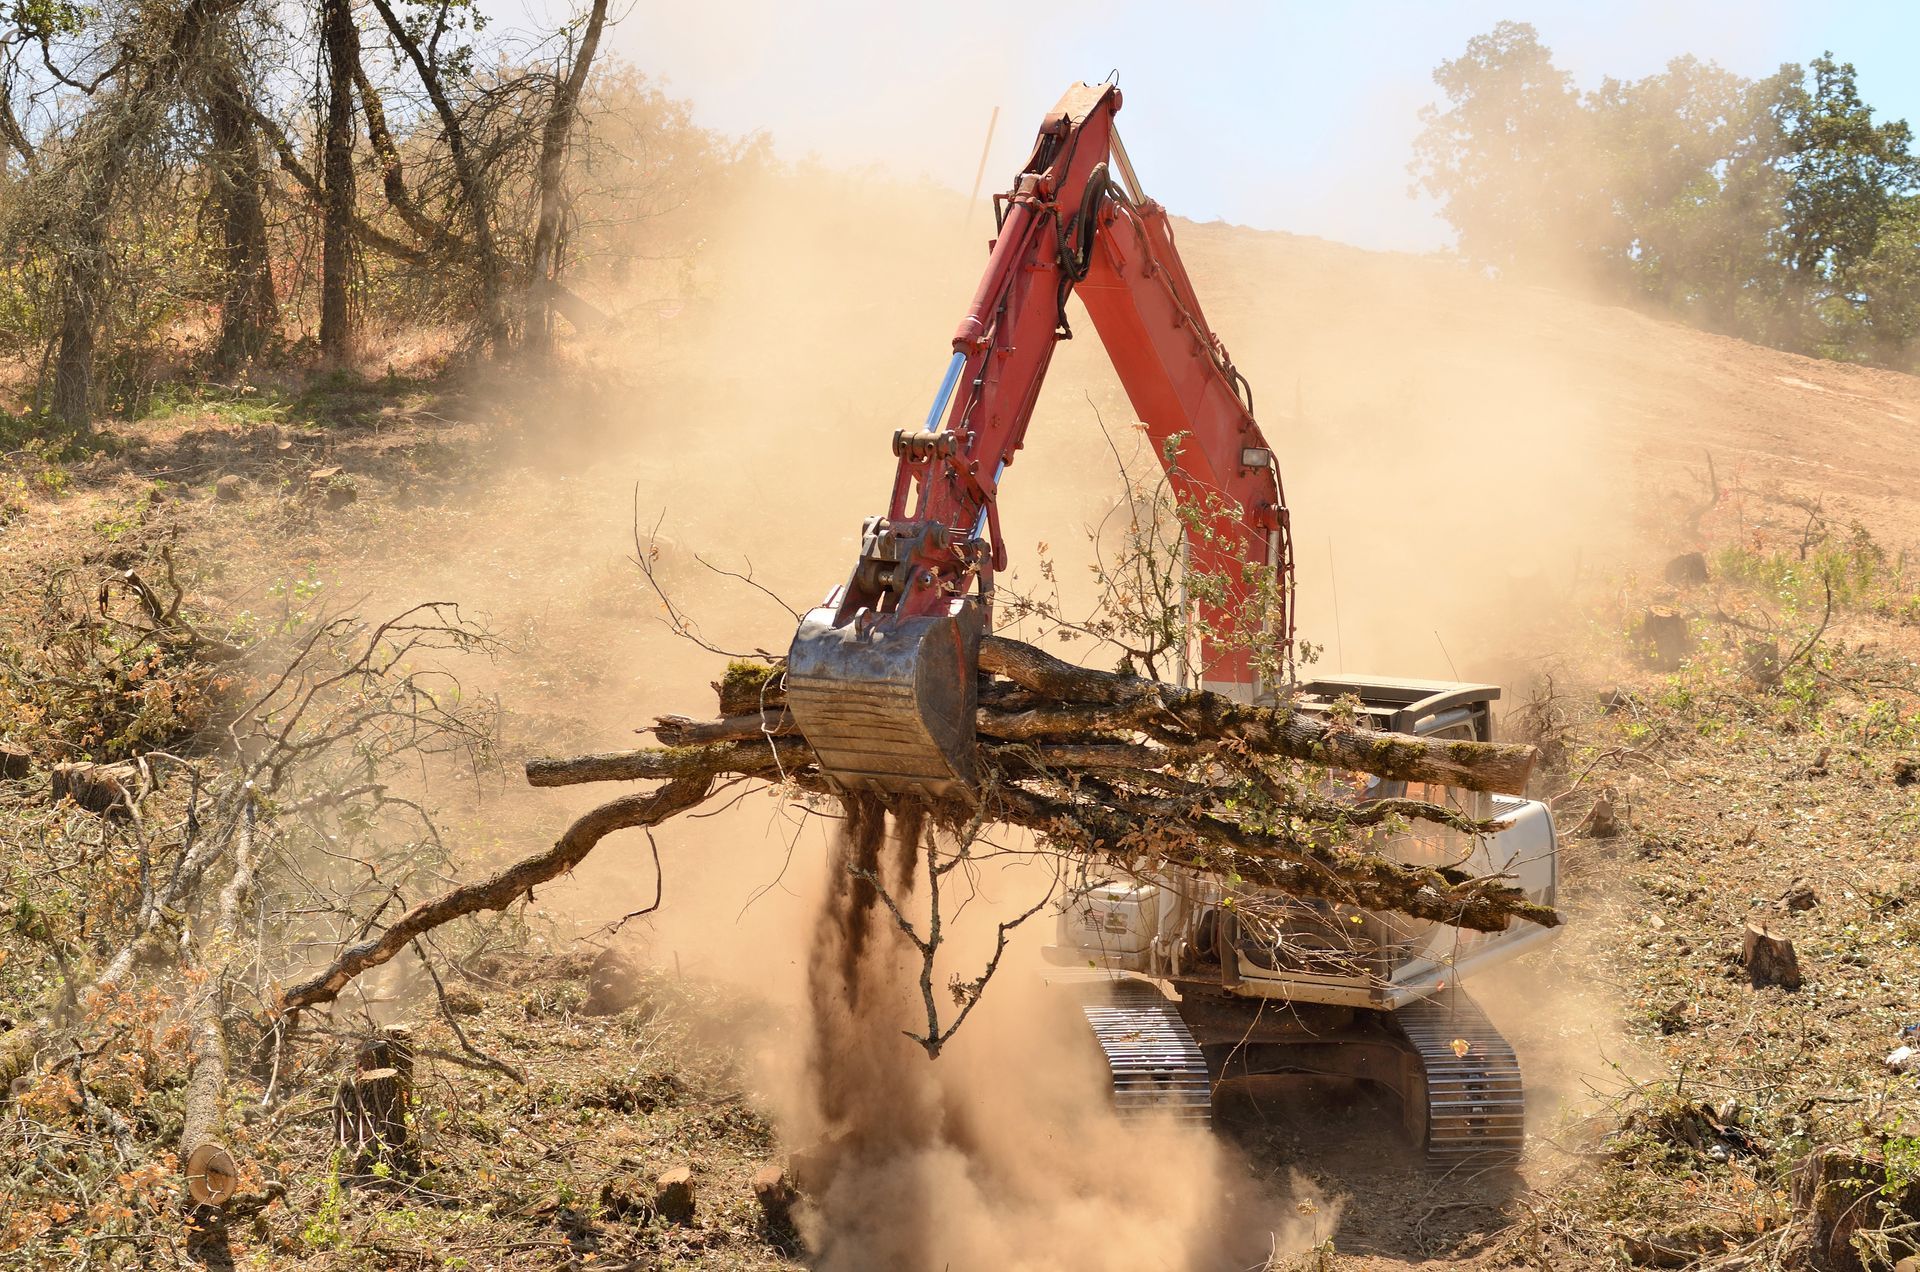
{"points": [[14, 761], [776, 1195], [613, 984], [1687, 569], [1602, 820], [1761, 660], [1838, 1193], [98, 788], [673, 1195], [1769, 959], [1664, 638], [373, 1108]]}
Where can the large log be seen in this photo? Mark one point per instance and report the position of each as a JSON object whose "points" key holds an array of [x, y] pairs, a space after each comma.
{"points": [[1083, 704], [211, 1174], [1109, 702]]}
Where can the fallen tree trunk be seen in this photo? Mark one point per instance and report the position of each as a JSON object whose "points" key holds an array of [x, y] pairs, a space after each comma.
{"points": [[210, 1170], [1282, 731], [1080, 703]]}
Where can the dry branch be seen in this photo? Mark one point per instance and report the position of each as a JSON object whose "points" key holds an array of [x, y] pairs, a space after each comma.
{"points": [[503, 889], [211, 1172], [1096, 763], [1107, 702]]}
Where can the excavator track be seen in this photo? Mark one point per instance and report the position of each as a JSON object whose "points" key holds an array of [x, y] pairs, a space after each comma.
{"points": [[1475, 1109], [1157, 1067]]}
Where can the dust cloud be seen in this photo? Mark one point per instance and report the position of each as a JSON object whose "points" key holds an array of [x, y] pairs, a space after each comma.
{"points": [[1000, 1153]]}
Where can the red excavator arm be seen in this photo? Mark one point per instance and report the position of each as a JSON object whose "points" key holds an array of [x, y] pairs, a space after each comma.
{"points": [[881, 677]]}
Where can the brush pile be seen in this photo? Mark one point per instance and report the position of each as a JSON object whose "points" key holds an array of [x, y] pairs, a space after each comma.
{"points": [[1121, 770]]}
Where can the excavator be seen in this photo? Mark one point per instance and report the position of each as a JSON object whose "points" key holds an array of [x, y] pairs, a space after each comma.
{"points": [[1185, 986]]}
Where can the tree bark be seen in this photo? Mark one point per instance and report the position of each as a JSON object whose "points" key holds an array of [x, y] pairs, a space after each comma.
{"points": [[342, 41], [393, 175], [112, 132], [474, 189], [249, 311], [84, 276], [211, 1173], [537, 326]]}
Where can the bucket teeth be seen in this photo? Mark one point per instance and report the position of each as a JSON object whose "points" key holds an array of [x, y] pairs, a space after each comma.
{"points": [[889, 705]]}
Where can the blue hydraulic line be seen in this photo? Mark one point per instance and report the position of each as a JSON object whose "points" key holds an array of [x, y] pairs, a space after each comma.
{"points": [[947, 381], [980, 526]]}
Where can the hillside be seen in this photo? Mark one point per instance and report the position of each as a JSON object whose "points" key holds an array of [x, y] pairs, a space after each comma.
{"points": [[1485, 480]]}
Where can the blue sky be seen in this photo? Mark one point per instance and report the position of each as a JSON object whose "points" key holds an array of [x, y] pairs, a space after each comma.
{"points": [[1284, 116]]}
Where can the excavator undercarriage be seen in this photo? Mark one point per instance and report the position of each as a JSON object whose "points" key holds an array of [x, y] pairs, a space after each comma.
{"points": [[1457, 1080]]}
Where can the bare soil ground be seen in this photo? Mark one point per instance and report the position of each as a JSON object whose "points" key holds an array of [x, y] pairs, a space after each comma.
{"points": [[1547, 456]]}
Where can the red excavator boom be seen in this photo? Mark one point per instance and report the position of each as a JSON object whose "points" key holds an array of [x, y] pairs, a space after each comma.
{"points": [[881, 677]]}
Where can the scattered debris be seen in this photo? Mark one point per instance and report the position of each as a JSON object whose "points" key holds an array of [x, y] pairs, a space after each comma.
{"points": [[1615, 700], [1903, 1059], [622, 1197], [1799, 896], [1715, 1131]]}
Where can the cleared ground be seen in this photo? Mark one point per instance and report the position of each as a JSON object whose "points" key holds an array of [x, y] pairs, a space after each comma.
{"points": [[1489, 480]]}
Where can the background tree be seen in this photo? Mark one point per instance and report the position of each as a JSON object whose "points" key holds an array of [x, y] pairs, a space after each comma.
{"points": [[1501, 157], [342, 43], [1751, 207]]}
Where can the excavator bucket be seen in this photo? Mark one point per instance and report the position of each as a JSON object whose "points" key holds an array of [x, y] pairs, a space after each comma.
{"points": [[888, 704]]}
